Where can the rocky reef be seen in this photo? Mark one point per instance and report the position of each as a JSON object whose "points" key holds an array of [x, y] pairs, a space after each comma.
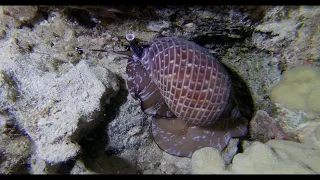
{"points": [[65, 110]]}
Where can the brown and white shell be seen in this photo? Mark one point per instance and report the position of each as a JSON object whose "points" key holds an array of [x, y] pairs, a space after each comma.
{"points": [[195, 86], [189, 93]]}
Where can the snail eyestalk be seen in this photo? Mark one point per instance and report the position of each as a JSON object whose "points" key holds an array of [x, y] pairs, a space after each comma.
{"points": [[136, 48]]}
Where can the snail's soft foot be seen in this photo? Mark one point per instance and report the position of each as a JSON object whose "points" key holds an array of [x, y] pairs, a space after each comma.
{"points": [[176, 138]]}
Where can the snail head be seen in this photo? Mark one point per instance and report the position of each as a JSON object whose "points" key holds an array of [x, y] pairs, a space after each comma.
{"points": [[134, 45]]}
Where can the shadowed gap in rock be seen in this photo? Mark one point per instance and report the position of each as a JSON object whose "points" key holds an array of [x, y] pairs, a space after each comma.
{"points": [[94, 156], [244, 99]]}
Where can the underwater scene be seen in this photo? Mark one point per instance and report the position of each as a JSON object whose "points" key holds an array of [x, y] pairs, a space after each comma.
{"points": [[159, 89]]}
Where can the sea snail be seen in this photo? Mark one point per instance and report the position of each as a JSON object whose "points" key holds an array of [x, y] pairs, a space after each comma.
{"points": [[188, 92]]}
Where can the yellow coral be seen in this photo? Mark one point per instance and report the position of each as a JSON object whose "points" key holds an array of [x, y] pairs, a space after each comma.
{"points": [[315, 84], [302, 89], [299, 89], [301, 74], [314, 101], [207, 160], [284, 94]]}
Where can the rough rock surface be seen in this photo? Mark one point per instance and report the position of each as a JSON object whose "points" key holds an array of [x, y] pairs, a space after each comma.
{"points": [[55, 105], [55, 109], [15, 151], [56, 94], [17, 16], [231, 150], [264, 128], [277, 43], [127, 138]]}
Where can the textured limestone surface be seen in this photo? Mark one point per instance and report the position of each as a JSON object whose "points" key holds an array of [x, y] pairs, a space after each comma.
{"points": [[15, 151], [286, 37], [71, 108], [55, 105]]}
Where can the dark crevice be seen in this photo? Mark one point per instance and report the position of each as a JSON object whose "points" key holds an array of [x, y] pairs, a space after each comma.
{"points": [[26, 24], [95, 142], [81, 16], [243, 97], [40, 16], [106, 164], [256, 13], [173, 16], [45, 13], [242, 94], [94, 154], [220, 39], [66, 167], [220, 43]]}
